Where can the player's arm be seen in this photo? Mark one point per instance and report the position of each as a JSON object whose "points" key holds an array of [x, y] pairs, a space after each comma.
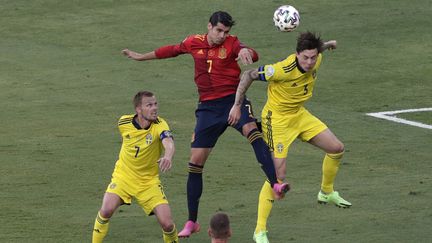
{"points": [[246, 80], [328, 45], [138, 56], [160, 53], [165, 163]]}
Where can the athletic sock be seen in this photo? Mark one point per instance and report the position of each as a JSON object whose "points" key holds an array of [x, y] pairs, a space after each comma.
{"points": [[100, 228], [265, 206], [263, 155], [194, 190], [170, 237], [330, 168]]}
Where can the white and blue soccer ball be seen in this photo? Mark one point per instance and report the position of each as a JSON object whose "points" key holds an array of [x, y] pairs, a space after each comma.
{"points": [[286, 18]]}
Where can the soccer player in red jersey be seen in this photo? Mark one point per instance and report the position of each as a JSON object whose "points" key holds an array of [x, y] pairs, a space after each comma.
{"points": [[217, 75]]}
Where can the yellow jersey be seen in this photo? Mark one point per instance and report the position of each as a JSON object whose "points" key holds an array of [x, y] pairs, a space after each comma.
{"points": [[140, 150], [289, 86]]}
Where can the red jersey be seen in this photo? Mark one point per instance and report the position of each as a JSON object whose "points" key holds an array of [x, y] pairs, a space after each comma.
{"points": [[217, 73]]}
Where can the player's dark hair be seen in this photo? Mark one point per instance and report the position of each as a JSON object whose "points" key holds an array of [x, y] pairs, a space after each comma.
{"points": [[220, 226], [308, 41], [221, 17], [138, 97]]}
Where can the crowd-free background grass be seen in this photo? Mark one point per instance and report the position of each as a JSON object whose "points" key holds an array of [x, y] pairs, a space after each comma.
{"points": [[64, 84]]}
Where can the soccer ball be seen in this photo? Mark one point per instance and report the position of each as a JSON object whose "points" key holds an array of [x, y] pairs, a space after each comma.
{"points": [[286, 18]]}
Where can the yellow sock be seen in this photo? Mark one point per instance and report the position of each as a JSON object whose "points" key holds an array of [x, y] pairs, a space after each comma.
{"points": [[265, 205], [330, 168], [170, 237], [100, 228]]}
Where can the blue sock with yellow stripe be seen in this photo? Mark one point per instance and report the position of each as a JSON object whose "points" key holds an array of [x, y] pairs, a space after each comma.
{"points": [[194, 190], [263, 155]]}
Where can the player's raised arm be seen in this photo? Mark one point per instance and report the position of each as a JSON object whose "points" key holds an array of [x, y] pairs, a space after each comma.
{"points": [[165, 163], [328, 45], [246, 80]]}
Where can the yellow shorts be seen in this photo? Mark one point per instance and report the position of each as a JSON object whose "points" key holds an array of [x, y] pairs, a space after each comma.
{"points": [[148, 196], [281, 130]]}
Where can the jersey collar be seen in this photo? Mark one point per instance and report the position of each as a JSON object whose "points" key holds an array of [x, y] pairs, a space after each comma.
{"points": [[137, 125], [299, 67]]}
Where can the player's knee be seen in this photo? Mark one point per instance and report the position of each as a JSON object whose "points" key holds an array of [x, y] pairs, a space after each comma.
{"points": [[337, 148], [106, 212], [340, 148], [167, 225], [248, 128]]}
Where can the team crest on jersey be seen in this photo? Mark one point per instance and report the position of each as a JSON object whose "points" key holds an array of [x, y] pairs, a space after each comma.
{"points": [[222, 53], [269, 71], [211, 53], [149, 139], [280, 147]]}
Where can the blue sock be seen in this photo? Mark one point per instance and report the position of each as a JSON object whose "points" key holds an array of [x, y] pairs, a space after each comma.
{"points": [[194, 190], [263, 155]]}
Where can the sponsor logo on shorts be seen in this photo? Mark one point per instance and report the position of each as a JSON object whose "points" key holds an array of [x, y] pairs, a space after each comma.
{"points": [[112, 185], [280, 147]]}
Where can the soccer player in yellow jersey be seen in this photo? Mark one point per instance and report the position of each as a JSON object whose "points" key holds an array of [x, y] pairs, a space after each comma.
{"points": [[147, 147], [284, 118]]}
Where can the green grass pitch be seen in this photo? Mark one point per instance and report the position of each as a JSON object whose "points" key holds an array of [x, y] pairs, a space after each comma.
{"points": [[64, 84]]}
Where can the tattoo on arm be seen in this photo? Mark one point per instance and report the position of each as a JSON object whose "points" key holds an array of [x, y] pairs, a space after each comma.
{"points": [[246, 80]]}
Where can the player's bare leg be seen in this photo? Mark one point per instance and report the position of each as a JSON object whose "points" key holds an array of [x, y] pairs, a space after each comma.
{"points": [[110, 204], [163, 215]]}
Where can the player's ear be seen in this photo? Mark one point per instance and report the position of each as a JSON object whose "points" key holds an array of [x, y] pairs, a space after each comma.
{"points": [[209, 26], [229, 233], [209, 232]]}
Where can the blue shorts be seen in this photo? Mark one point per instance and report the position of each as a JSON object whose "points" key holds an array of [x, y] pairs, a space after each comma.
{"points": [[212, 120]]}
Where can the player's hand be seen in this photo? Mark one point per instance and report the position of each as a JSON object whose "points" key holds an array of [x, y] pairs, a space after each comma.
{"points": [[126, 52], [164, 164], [331, 44], [130, 54], [245, 56], [234, 115]]}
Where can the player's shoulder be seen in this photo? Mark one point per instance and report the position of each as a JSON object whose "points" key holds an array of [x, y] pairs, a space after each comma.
{"points": [[288, 64], [126, 119], [197, 38], [231, 39], [160, 121], [289, 59]]}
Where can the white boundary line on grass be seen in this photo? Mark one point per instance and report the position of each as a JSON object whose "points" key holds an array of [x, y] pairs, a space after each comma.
{"points": [[389, 115]]}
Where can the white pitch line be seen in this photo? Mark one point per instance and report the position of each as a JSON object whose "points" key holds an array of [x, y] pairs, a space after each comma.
{"points": [[387, 115]]}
